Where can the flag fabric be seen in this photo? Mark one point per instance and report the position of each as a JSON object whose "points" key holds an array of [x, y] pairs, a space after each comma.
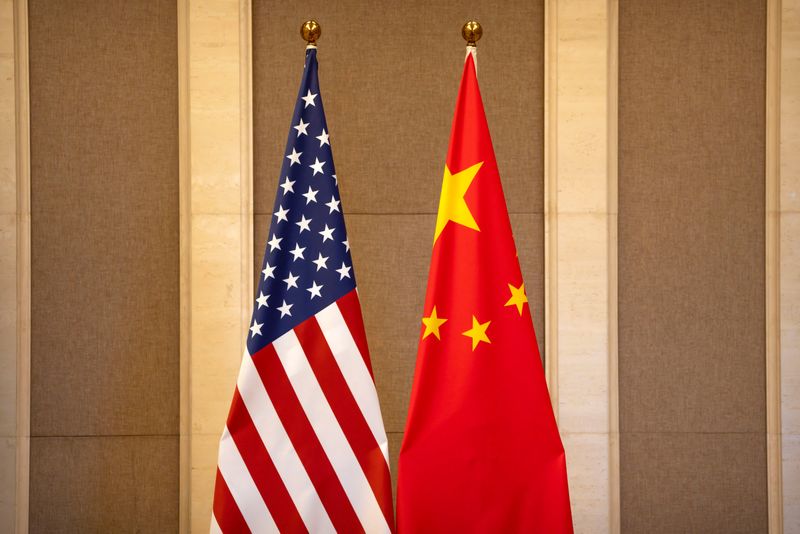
{"points": [[481, 450], [304, 448]]}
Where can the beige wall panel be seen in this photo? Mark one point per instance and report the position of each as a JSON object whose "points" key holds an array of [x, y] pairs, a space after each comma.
{"points": [[105, 330], [691, 263], [104, 484], [696, 488], [216, 234], [580, 236]]}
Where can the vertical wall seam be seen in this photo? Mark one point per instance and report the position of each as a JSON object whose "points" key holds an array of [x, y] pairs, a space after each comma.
{"points": [[772, 269], [185, 225], [551, 201], [246, 155], [612, 58]]}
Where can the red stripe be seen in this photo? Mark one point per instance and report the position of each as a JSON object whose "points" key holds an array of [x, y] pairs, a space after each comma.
{"points": [[262, 469], [305, 441], [226, 511], [347, 413], [350, 307]]}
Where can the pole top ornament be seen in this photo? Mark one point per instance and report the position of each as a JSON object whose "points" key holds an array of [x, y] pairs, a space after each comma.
{"points": [[472, 32], [310, 31]]}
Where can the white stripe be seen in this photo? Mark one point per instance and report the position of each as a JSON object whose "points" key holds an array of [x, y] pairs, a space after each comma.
{"points": [[355, 371], [214, 526], [329, 433], [280, 449], [242, 487]]}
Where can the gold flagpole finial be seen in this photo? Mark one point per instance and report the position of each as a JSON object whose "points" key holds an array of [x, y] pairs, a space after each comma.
{"points": [[310, 31], [472, 32]]}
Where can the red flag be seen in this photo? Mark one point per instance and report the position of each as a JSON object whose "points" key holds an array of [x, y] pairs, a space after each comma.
{"points": [[481, 451]]}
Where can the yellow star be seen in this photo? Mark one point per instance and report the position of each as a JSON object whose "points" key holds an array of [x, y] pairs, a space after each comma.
{"points": [[477, 332], [432, 324], [452, 206], [518, 297]]}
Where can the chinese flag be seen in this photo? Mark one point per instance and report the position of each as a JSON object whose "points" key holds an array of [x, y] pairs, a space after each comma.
{"points": [[481, 451]]}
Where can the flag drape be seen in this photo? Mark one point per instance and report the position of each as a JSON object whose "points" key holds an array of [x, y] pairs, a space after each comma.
{"points": [[304, 447], [481, 450]]}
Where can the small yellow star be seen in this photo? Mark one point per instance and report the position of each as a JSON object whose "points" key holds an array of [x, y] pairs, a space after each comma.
{"points": [[518, 297], [452, 206], [477, 332], [432, 324]]}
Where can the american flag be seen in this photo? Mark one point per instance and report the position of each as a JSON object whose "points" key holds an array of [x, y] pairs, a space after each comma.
{"points": [[304, 448]]}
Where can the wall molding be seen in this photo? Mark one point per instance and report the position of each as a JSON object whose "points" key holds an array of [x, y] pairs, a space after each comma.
{"points": [[551, 201], [612, 150], [246, 155], [23, 264], [185, 227], [772, 269]]}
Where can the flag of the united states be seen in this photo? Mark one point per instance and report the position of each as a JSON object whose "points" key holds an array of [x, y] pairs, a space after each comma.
{"points": [[304, 447]]}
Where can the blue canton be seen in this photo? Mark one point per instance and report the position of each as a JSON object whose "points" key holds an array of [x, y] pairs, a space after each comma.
{"points": [[307, 264]]}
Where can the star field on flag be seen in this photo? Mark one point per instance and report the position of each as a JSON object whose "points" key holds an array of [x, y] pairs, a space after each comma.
{"points": [[304, 448]]}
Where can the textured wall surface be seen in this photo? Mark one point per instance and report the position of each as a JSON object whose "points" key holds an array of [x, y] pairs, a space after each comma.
{"points": [[104, 180], [389, 100], [691, 266]]}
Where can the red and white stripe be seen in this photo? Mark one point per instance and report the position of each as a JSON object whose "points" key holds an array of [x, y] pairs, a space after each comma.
{"points": [[304, 448]]}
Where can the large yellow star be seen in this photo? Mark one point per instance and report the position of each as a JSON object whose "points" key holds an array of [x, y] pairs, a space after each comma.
{"points": [[432, 324], [477, 332], [518, 297], [452, 206]]}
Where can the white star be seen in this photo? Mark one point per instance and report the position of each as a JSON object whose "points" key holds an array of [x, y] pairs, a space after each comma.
{"points": [[309, 99], [301, 128], [268, 271], [275, 243], [320, 262], [311, 196], [256, 328], [335, 179], [314, 290], [346, 244], [323, 138], [327, 233], [333, 204], [297, 252], [281, 214], [288, 186], [291, 281], [344, 271], [294, 157], [317, 166], [285, 309], [262, 300], [303, 223]]}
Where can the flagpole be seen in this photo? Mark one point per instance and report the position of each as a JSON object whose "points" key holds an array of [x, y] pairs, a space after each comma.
{"points": [[472, 31], [310, 31]]}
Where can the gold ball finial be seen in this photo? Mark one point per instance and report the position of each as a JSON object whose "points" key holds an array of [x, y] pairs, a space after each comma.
{"points": [[472, 32], [310, 31]]}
